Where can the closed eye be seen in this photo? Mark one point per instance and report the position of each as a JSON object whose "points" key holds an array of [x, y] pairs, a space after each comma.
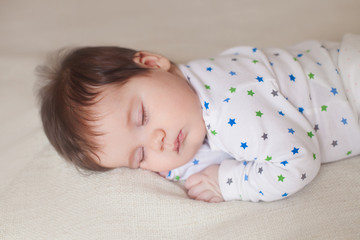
{"points": [[144, 118], [139, 156], [142, 155]]}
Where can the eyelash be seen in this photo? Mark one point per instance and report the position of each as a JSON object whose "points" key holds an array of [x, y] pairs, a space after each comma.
{"points": [[142, 154], [144, 116], [144, 120]]}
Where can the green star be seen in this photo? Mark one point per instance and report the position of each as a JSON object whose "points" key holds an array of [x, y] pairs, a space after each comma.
{"points": [[177, 178], [212, 59], [310, 134], [324, 108], [259, 113], [311, 75], [308, 50], [207, 87], [348, 153], [232, 90], [213, 132], [314, 156], [268, 158], [255, 61], [251, 93], [281, 178], [295, 59]]}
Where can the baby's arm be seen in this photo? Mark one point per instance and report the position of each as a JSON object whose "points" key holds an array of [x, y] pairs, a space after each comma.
{"points": [[204, 185], [254, 181]]}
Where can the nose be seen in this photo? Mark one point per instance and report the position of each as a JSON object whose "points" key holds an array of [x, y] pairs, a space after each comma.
{"points": [[157, 140]]}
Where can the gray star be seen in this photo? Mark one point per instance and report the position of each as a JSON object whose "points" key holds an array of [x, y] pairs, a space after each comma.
{"points": [[229, 181], [334, 143], [316, 128], [274, 93], [208, 126], [276, 54], [260, 170], [303, 176], [264, 136], [234, 59]]}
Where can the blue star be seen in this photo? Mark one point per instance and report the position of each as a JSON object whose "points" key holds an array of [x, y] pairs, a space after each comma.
{"points": [[299, 55], [244, 145], [206, 105], [295, 150], [209, 69], [319, 64], [271, 63], [284, 163], [232, 73], [334, 91], [169, 173], [245, 163], [227, 100], [231, 121], [261, 193], [301, 109], [196, 162], [260, 79], [292, 78], [254, 49], [246, 177], [344, 121], [281, 113], [291, 130], [285, 195]]}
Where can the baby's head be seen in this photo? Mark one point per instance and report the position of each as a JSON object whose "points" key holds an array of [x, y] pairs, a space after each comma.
{"points": [[109, 107]]}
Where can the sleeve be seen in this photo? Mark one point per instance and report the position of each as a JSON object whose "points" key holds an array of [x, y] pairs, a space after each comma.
{"points": [[274, 145]]}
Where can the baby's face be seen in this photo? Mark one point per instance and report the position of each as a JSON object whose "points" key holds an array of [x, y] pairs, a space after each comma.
{"points": [[152, 122]]}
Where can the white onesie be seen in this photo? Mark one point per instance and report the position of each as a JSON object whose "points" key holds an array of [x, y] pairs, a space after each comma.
{"points": [[273, 116]]}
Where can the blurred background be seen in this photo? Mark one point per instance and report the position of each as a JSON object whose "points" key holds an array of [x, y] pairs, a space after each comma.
{"points": [[171, 27]]}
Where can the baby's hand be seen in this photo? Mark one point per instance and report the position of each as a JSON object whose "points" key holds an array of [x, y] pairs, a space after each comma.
{"points": [[204, 185]]}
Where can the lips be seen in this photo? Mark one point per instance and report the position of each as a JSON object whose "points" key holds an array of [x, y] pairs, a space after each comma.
{"points": [[178, 141]]}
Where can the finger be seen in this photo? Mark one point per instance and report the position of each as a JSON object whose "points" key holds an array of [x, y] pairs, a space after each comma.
{"points": [[206, 196], [193, 180], [195, 190], [216, 199]]}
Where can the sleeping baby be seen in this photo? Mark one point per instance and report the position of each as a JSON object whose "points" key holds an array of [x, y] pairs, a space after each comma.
{"points": [[250, 124]]}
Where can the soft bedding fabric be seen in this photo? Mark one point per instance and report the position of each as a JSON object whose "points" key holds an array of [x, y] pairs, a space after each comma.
{"points": [[42, 197]]}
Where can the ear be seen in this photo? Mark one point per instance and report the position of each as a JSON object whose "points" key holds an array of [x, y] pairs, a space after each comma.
{"points": [[152, 60]]}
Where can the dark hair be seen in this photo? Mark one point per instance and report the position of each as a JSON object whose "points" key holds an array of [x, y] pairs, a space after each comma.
{"points": [[70, 84]]}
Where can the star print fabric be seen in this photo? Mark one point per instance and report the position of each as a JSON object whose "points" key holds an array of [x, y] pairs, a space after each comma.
{"points": [[279, 113], [203, 158], [349, 62]]}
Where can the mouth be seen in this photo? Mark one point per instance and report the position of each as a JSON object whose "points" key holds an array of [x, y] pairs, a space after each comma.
{"points": [[178, 141]]}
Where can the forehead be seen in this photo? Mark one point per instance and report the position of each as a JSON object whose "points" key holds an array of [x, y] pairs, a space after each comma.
{"points": [[112, 111]]}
